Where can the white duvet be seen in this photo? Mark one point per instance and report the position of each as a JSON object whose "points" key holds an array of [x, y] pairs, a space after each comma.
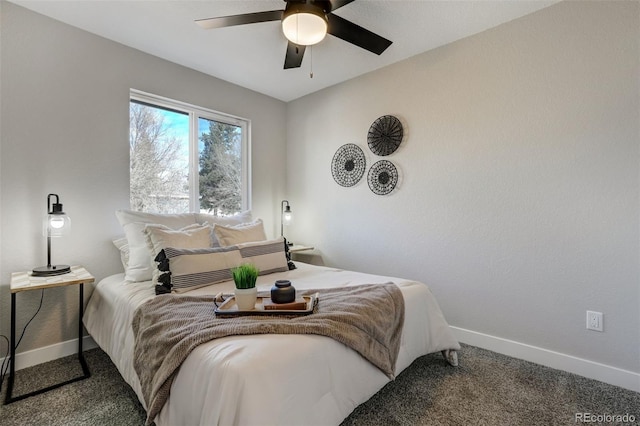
{"points": [[267, 379]]}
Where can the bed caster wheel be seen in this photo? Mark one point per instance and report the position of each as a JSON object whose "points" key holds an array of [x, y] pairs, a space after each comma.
{"points": [[451, 356]]}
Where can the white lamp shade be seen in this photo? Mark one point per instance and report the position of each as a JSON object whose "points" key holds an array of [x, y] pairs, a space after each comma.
{"points": [[56, 225], [287, 218], [304, 28]]}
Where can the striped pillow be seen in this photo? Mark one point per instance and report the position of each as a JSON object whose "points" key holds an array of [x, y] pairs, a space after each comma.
{"points": [[187, 269], [268, 256]]}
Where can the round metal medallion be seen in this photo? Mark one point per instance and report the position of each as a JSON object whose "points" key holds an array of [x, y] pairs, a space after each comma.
{"points": [[348, 164], [382, 177], [385, 135]]}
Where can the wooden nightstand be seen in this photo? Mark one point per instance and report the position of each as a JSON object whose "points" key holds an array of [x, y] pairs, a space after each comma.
{"points": [[24, 281]]}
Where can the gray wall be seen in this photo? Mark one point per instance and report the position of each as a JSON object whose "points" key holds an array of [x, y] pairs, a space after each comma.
{"points": [[518, 200], [64, 123]]}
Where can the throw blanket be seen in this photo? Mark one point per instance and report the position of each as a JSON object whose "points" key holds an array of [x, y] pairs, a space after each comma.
{"points": [[366, 318]]}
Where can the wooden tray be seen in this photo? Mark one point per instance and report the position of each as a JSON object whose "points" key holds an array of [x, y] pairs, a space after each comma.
{"points": [[230, 308]]}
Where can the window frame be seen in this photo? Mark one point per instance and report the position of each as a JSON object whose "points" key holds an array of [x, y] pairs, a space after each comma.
{"points": [[195, 113]]}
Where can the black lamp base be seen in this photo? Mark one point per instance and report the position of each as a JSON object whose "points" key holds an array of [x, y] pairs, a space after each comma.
{"points": [[45, 271]]}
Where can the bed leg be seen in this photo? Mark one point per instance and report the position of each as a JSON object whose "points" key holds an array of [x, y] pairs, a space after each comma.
{"points": [[451, 356]]}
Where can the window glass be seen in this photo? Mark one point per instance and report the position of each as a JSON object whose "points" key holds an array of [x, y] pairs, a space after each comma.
{"points": [[220, 158], [186, 159], [159, 159]]}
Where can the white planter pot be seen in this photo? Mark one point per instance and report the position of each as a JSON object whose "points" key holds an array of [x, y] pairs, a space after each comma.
{"points": [[246, 298]]}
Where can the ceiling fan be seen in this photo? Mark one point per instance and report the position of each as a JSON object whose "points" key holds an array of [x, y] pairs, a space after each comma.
{"points": [[304, 23]]}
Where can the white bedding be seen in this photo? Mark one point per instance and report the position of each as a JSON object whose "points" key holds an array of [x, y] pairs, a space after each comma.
{"points": [[267, 379]]}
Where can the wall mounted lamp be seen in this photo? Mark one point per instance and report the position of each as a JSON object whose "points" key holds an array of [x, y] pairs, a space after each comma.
{"points": [[56, 224]]}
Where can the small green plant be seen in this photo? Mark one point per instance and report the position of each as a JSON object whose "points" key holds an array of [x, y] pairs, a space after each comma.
{"points": [[245, 276]]}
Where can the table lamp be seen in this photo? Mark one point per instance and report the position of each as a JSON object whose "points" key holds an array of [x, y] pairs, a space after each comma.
{"points": [[286, 215], [56, 224]]}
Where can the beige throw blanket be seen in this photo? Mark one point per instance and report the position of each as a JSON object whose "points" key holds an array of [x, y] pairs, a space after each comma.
{"points": [[366, 318]]}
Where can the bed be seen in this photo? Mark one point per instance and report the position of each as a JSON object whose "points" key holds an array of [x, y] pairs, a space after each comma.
{"points": [[267, 379]]}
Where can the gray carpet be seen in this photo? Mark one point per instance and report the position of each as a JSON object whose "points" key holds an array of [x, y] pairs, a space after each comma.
{"points": [[486, 389]]}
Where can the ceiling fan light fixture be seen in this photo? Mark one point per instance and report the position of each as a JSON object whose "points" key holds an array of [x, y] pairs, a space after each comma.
{"points": [[304, 24]]}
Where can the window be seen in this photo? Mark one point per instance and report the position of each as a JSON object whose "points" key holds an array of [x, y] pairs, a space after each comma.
{"points": [[186, 159]]}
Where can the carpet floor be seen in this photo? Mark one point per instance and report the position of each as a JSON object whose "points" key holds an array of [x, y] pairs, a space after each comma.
{"points": [[486, 389]]}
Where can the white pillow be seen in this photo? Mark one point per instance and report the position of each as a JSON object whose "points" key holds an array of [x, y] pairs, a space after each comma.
{"points": [[123, 246], [141, 265], [244, 233], [191, 236], [236, 219]]}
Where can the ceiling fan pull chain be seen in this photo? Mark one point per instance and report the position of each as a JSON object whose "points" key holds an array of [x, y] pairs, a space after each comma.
{"points": [[311, 58]]}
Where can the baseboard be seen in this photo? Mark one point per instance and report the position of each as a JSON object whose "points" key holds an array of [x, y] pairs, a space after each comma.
{"points": [[51, 352], [592, 370]]}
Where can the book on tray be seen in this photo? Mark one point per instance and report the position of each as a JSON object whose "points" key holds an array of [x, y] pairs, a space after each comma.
{"points": [[297, 305]]}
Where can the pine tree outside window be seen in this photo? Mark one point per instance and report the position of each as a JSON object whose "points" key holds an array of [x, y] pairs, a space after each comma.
{"points": [[185, 158]]}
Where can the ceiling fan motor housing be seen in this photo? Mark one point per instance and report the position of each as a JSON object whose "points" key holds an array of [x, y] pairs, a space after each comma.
{"points": [[302, 6]]}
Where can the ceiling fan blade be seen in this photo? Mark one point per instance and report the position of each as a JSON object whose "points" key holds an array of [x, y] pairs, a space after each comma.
{"points": [[355, 34], [293, 59], [336, 4], [247, 18]]}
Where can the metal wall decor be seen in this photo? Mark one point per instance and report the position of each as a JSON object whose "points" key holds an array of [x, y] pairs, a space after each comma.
{"points": [[382, 177], [348, 164], [385, 135]]}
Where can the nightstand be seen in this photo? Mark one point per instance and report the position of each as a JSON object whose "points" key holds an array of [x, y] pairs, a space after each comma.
{"points": [[298, 248], [24, 281]]}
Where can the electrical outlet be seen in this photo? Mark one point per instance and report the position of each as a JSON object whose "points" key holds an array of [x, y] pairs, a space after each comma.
{"points": [[594, 321]]}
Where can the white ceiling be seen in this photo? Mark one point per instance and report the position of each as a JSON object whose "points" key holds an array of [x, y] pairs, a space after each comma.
{"points": [[253, 55]]}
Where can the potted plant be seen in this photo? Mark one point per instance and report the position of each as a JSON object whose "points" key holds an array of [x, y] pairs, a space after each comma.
{"points": [[245, 277]]}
